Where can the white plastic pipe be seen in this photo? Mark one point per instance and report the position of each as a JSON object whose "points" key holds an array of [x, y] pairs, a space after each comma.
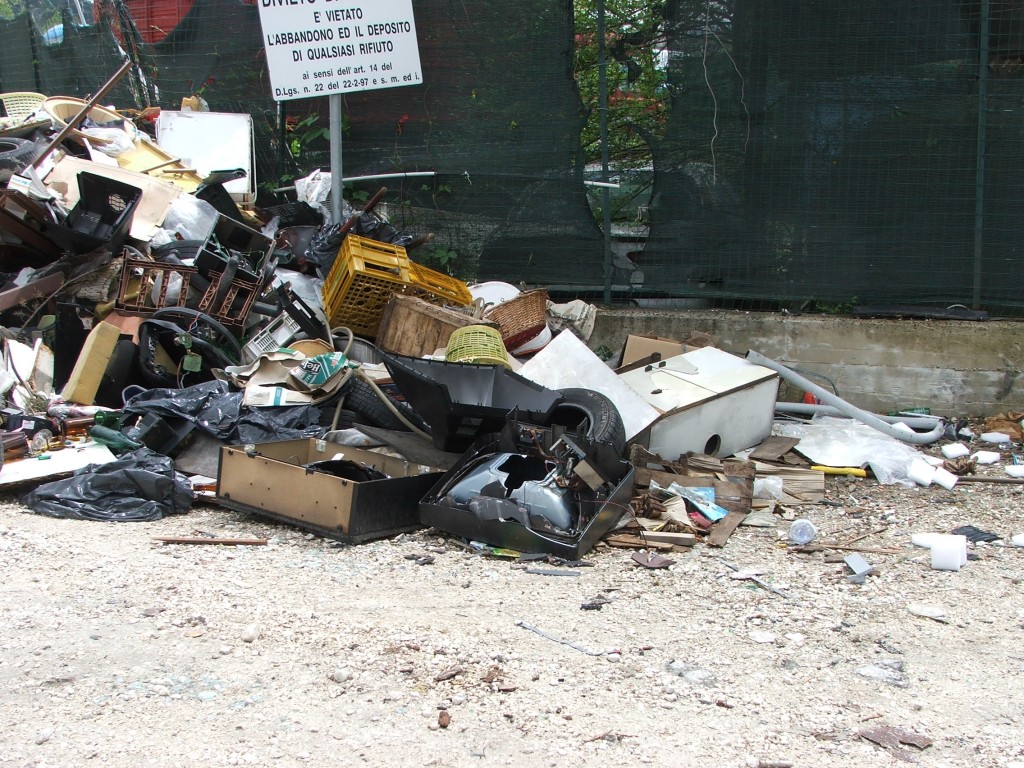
{"points": [[853, 412], [926, 423]]}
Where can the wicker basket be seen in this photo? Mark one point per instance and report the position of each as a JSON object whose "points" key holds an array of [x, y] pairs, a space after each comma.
{"points": [[21, 104], [476, 344], [520, 319]]}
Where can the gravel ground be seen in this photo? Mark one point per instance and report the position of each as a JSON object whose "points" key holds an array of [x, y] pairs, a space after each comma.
{"points": [[118, 651]]}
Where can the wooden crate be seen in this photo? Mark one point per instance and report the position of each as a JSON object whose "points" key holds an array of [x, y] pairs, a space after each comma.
{"points": [[412, 326]]}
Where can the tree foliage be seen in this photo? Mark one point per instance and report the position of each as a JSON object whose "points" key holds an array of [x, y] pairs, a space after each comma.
{"points": [[636, 74]]}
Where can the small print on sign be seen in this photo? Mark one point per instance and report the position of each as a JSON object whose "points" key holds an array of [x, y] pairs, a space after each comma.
{"points": [[317, 49]]}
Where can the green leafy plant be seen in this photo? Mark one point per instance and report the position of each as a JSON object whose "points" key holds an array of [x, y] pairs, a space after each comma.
{"points": [[440, 257], [304, 133]]}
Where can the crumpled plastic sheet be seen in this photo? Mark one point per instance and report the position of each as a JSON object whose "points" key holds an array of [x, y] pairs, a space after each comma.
{"points": [[836, 442], [139, 487], [220, 413]]}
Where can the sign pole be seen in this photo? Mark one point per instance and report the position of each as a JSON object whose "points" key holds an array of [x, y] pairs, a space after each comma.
{"points": [[315, 50], [337, 182]]}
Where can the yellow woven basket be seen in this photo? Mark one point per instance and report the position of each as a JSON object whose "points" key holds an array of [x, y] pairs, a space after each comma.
{"points": [[476, 344]]}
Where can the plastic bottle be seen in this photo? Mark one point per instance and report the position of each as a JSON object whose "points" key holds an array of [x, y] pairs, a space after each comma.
{"points": [[802, 531]]}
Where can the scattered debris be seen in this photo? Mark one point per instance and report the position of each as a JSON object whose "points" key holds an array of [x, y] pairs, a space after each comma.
{"points": [[652, 560], [569, 643], [891, 737], [449, 673], [209, 540], [933, 612]]}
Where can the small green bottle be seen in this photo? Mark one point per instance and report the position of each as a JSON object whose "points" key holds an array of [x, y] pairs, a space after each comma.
{"points": [[116, 441]]}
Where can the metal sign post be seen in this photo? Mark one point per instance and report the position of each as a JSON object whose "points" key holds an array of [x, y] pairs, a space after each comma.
{"points": [[316, 50]]}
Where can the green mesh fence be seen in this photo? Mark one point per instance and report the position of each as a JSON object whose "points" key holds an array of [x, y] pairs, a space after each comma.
{"points": [[821, 152]]}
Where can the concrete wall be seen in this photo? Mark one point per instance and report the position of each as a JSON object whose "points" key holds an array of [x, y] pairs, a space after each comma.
{"points": [[955, 368]]}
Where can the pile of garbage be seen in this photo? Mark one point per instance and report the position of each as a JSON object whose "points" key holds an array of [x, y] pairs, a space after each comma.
{"points": [[165, 338]]}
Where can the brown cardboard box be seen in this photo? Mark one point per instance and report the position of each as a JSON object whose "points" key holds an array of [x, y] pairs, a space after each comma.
{"points": [[638, 347], [271, 479], [92, 364]]}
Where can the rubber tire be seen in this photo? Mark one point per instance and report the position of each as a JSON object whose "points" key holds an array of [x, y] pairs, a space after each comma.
{"points": [[599, 414], [362, 399], [15, 154]]}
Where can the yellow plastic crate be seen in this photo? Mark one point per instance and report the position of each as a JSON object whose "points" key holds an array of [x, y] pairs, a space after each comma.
{"points": [[437, 287], [362, 280]]}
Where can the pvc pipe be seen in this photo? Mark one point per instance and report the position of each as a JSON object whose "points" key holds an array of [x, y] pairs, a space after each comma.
{"points": [[811, 409], [828, 398]]}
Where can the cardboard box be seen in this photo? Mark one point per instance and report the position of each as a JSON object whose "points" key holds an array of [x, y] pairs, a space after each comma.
{"points": [[639, 347], [92, 364], [271, 480]]}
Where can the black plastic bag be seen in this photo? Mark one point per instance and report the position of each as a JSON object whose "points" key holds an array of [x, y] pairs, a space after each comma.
{"points": [[139, 487], [220, 413], [261, 425], [324, 245], [210, 406]]}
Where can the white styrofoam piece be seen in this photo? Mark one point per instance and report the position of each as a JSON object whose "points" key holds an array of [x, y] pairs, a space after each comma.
{"points": [[211, 141], [1015, 470], [712, 402], [921, 472], [934, 461], [986, 457], [949, 552], [945, 478], [955, 450], [995, 437], [568, 362]]}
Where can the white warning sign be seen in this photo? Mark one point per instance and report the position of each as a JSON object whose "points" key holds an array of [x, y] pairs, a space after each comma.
{"points": [[325, 47]]}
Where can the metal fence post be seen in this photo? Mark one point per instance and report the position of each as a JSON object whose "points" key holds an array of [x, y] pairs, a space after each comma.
{"points": [[979, 169]]}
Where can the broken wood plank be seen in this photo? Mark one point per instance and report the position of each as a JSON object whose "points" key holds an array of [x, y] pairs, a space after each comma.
{"points": [[664, 537], [723, 529], [628, 541], [773, 448], [207, 540]]}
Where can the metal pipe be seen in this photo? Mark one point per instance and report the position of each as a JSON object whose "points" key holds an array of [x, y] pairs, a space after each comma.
{"points": [[979, 163], [337, 180], [375, 177], [852, 411], [809, 409], [606, 203]]}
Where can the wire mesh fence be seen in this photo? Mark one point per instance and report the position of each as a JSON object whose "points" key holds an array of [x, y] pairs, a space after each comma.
{"points": [[767, 152]]}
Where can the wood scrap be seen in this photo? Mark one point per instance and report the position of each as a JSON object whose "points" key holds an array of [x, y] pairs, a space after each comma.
{"points": [[724, 528], [635, 541], [800, 486], [665, 537], [773, 448], [208, 540]]}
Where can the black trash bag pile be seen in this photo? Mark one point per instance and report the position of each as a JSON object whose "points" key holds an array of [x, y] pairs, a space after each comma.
{"points": [[141, 486], [219, 412]]}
